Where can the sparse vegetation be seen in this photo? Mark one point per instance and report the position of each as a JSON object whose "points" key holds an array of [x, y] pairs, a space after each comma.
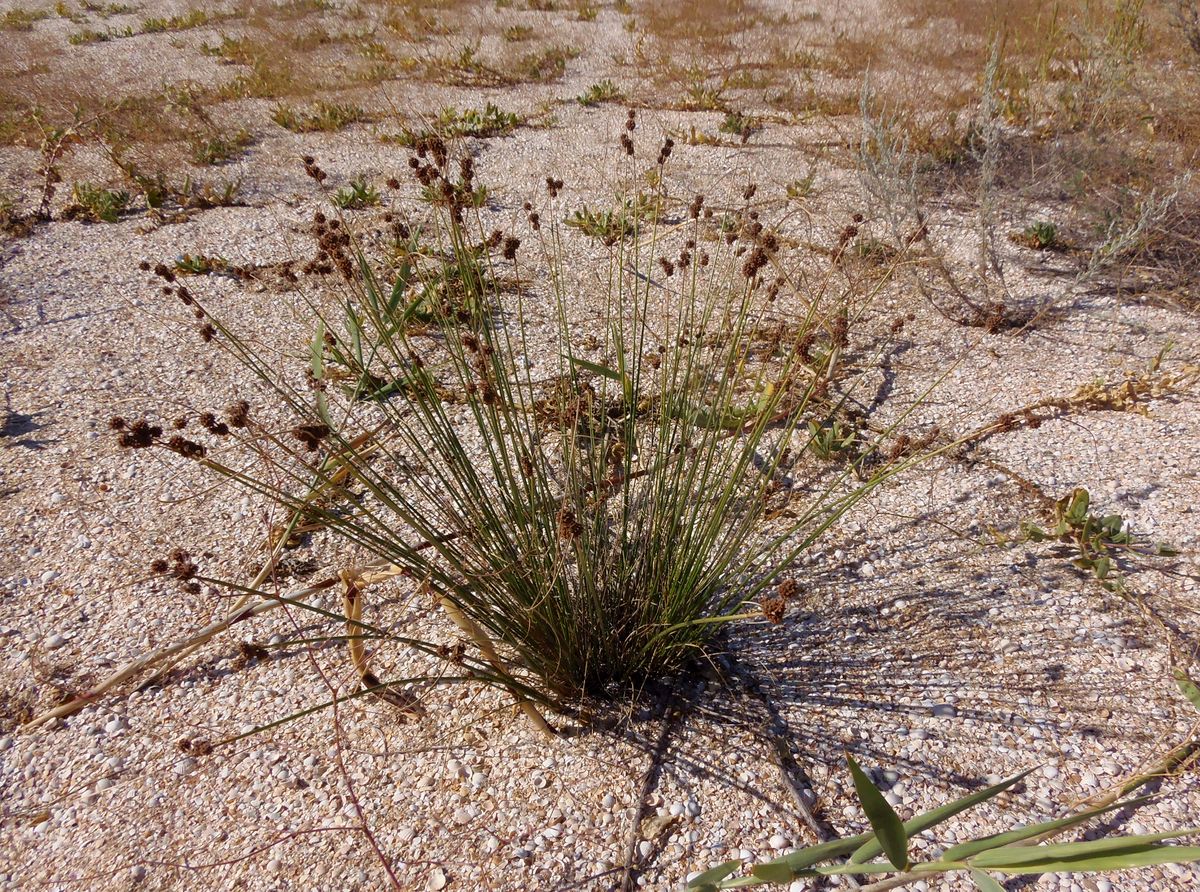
{"points": [[92, 204], [592, 441], [322, 117], [19, 19], [219, 149], [613, 225], [193, 19], [547, 65], [601, 91], [453, 123], [739, 125]]}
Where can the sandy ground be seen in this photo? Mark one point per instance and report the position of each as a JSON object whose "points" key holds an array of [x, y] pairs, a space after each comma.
{"points": [[919, 645]]}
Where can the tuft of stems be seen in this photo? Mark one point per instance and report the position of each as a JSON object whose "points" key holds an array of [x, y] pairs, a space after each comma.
{"points": [[600, 521]]}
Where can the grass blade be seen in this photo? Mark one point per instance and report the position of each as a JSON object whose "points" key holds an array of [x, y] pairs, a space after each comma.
{"points": [[967, 850], [1015, 855]]}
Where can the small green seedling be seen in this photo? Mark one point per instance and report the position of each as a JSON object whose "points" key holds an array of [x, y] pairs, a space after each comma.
{"points": [[357, 195], [201, 264], [1096, 539], [604, 91], [612, 226], [830, 440], [1041, 236]]}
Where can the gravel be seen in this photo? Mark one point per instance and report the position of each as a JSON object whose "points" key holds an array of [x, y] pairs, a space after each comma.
{"points": [[939, 662]]}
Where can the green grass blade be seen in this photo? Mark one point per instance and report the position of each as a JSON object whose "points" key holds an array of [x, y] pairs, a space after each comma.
{"points": [[1134, 856], [969, 849], [1010, 855], [714, 875], [787, 868], [889, 830]]}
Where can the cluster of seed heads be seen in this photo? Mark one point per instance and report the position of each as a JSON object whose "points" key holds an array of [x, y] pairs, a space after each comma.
{"points": [[665, 152], [333, 249], [847, 235], [181, 567], [311, 168], [630, 126]]}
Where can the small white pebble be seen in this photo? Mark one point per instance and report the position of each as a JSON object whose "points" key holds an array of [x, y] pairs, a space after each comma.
{"points": [[778, 841], [50, 575], [54, 642]]}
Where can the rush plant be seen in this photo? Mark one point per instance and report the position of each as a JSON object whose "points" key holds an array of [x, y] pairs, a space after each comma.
{"points": [[591, 511]]}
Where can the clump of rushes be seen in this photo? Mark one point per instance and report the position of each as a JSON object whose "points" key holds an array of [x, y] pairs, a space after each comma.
{"points": [[591, 510]]}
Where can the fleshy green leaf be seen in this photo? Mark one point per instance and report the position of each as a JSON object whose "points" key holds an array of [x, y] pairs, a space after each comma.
{"points": [[1187, 687], [889, 830], [595, 368], [852, 868], [969, 849]]}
